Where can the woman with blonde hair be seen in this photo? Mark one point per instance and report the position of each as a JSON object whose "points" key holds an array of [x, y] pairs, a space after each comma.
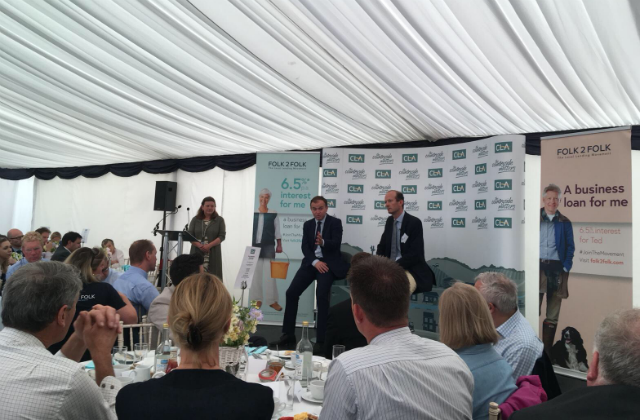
{"points": [[94, 291], [199, 317], [467, 328]]}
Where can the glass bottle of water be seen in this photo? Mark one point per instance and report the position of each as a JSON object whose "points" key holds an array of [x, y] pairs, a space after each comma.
{"points": [[163, 351], [304, 355]]}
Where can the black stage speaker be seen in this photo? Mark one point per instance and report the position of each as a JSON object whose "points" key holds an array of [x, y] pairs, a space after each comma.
{"points": [[165, 199]]}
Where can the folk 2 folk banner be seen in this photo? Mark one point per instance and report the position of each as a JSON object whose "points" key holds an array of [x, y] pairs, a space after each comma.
{"points": [[585, 239]]}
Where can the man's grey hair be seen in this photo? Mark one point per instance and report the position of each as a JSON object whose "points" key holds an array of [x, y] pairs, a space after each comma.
{"points": [[618, 343], [551, 187], [500, 290], [36, 292], [265, 191]]}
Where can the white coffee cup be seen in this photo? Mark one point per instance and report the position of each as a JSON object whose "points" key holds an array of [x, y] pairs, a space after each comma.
{"points": [[121, 370], [125, 380], [143, 372], [317, 389]]}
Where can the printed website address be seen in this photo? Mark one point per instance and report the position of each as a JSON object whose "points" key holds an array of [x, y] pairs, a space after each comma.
{"points": [[605, 253]]}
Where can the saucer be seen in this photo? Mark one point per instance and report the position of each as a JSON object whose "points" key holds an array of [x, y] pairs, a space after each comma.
{"points": [[307, 397]]}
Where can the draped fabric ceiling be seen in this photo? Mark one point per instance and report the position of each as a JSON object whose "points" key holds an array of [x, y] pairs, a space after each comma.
{"points": [[95, 82]]}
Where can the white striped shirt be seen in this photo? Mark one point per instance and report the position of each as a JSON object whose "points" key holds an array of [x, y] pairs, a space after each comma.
{"points": [[398, 376], [519, 345], [34, 384]]}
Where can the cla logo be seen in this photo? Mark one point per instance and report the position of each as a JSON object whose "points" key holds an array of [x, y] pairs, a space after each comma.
{"points": [[356, 158], [434, 205], [503, 184], [503, 147], [379, 205], [458, 222], [502, 222], [354, 220], [480, 205], [330, 173], [410, 158], [409, 189], [435, 173], [481, 169], [460, 154], [253, 251], [458, 188], [383, 173], [331, 203], [355, 189]]}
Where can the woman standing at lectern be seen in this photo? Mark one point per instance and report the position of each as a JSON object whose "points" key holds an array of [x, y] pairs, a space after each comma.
{"points": [[209, 228]]}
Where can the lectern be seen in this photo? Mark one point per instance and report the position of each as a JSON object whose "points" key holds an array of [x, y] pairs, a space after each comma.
{"points": [[178, 236]]}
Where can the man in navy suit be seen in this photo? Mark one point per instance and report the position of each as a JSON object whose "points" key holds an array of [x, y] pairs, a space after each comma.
{"points": [[402, 241], [321, 239]]}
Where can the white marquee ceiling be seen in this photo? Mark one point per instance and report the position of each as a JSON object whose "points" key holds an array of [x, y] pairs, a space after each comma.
{"points": [[89, 82]]}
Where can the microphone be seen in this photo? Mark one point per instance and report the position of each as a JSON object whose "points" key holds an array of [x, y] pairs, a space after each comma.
{"points": [[186, 227], [158, 224]]}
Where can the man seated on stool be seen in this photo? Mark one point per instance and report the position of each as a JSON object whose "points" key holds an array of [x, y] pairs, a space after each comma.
{"points": [[321, 240], [402, 242], [613, 380], [519, 345], [399, 375]]}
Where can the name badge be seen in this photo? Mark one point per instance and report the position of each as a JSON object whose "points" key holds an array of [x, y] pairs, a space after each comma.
{"points": [[404, 238]]}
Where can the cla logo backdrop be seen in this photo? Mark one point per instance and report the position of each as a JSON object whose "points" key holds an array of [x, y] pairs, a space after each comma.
{"points": [[467, 196]]}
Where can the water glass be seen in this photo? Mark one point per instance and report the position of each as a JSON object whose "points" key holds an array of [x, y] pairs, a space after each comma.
{"points": [[141, 350], [120, 355], [337, 350]]}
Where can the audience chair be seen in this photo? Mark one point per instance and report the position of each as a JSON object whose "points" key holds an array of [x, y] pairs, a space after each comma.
{"points": [[494, 411], [145, 334], [544, 369]]}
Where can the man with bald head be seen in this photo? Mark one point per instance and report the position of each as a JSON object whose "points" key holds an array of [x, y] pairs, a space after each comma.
{"points": [[15, 237]]}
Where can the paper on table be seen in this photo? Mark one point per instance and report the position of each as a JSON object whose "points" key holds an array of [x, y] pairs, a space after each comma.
{"points": [[254, 366]]}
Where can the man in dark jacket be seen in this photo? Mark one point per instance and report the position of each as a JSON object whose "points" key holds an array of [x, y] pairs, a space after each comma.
{"points": [[402, 242], [69, 243], [613, 380], [321, 240], [556, 259]]}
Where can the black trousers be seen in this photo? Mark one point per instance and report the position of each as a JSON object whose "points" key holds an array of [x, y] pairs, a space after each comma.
{"points": [[301, 281]]}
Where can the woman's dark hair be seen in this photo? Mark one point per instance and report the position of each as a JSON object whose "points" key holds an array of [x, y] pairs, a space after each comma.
{"points": [[4, 265], [200, 214]]}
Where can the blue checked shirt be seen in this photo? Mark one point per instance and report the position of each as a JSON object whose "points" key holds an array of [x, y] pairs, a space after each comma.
{"points": [[399, 376], [519, 345]]}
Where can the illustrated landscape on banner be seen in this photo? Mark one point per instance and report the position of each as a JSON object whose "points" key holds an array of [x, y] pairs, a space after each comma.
{"points": [[470, 198]]}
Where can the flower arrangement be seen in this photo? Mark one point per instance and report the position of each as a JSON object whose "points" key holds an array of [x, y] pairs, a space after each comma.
{"points": [[243, 322]]}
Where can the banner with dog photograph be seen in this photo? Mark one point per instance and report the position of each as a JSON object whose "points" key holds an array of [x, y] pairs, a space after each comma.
{"points": [[285, 185], [585, 239], [470, 198]]}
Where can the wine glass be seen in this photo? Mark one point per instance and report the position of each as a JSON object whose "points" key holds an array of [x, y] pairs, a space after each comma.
{"points": [[338, 349]]}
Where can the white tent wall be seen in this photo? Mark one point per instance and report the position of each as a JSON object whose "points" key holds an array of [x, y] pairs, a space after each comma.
{"points": [[16, 204]]}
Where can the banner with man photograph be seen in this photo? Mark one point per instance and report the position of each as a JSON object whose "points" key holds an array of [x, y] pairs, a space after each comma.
{"points": [[469, 197], [585, 239], [285, 184]]}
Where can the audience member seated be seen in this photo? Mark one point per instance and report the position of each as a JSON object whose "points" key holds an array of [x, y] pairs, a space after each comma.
{"points": [[55, 239], [613, 379], [109, 275], [399, 374], [519, 345], [95, 292], [116, 257], [69, 243], [5, 257], [31, 251], [199, 317], [134, 283], [38, 306], [15, 237], [47, 246], [182, 267], [341, 327], [467, 328]]}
